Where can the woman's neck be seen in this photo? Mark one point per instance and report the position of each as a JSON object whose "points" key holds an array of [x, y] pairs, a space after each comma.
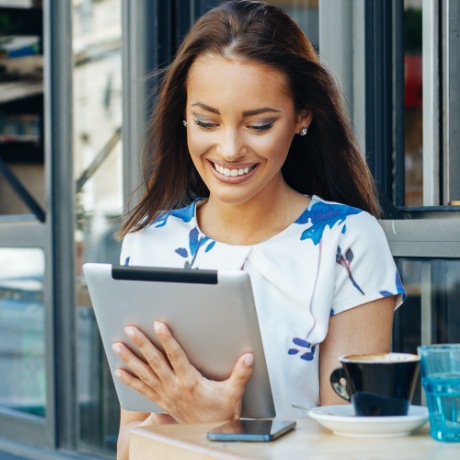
{"points": [[251, 222]]}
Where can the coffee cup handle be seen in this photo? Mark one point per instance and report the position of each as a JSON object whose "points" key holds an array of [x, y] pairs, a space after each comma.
{"points": [[341, 389]]}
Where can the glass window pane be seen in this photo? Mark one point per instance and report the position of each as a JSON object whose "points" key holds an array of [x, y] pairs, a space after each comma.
{"points": [[430, 313], [98, 202], [413, 113], [22, 330], [21, 111], [433, 288], [306, 14]]}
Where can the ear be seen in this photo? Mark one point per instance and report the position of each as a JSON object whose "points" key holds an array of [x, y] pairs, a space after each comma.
{"points": [[304, 118]]}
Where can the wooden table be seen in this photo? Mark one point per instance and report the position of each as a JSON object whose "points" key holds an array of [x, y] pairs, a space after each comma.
{"points": [[309, 441]]}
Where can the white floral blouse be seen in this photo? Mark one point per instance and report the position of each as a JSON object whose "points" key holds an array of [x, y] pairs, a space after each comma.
{"points": [[332, 258]]}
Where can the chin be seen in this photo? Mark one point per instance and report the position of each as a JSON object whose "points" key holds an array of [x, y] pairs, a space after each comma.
{"points": [[231, 198]]}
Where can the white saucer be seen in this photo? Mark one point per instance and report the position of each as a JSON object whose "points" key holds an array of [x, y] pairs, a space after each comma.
{"points": [[341, 420]]}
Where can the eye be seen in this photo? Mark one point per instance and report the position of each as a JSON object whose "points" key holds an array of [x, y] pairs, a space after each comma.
{"points": [[261, 128], [205, 125]]}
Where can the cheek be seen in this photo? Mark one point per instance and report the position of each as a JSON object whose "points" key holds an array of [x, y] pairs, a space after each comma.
{"points": [[275, 148], [198, 143]]}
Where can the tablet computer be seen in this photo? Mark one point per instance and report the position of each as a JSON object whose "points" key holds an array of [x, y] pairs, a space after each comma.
{"points": [[211, 313]]}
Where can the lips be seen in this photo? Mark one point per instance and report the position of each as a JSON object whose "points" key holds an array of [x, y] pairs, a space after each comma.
{"points": [[234, 172]]}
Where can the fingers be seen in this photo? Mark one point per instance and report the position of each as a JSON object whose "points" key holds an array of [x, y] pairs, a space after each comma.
{"points": [[153, 356], [175, 353], [141, 369], [149, 370], [156, 366], [167, 378], [143, 388]]}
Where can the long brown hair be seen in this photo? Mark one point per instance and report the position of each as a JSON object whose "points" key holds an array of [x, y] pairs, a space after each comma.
{"points": [[326, 162]]}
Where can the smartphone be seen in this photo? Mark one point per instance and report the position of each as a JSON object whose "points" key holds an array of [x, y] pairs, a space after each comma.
{"points": [[251, 430]]}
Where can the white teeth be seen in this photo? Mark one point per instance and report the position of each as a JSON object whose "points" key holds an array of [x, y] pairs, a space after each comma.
{"points": [[232, 172]]}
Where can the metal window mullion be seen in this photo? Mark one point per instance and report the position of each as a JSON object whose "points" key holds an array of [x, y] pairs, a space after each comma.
{"points": [[61, 197], [427, 238], [431, 104], [426, 296], [134, 69], [451, 98], [335, 36], [344, 56], [426, 317]]}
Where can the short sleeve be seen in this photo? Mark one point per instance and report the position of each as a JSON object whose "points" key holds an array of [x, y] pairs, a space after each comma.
{"points": [[365, 268]]}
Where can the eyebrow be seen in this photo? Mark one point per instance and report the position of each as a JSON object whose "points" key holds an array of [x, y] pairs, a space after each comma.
{"points": [[246, 113]]}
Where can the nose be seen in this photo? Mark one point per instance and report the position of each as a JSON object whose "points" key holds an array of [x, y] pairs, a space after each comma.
{"points": [[230, 145]]}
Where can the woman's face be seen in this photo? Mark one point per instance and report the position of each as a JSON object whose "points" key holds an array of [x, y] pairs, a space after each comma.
{"points": [[240, 124]]}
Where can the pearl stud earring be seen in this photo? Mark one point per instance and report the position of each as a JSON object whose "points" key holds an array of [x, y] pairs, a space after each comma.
{"points": [[184, 123]]}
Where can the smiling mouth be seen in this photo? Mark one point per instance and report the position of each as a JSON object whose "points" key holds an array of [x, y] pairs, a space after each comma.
{"points": [[233, 172]]}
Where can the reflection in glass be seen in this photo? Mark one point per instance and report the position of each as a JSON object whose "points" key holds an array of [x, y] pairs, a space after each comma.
{"points": [[413, 103], [22, 330], [430, 313], [433, 288], [98, 201], [22, 172], [306, 14]]}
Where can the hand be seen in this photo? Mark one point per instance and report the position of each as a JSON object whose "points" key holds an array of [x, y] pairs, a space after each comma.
{"points": [[170, 381]]}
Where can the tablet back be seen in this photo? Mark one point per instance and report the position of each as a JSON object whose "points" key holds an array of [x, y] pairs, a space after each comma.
{"points": [[210, 313]]}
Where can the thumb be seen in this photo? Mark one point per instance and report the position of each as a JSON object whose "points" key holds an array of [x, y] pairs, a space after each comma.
{"points": [[243, 369]]}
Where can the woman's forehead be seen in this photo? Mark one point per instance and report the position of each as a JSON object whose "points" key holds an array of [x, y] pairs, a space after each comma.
{"points": [[211, 72]]}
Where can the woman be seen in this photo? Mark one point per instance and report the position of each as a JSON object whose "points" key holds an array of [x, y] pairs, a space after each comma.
{"points": [[251, 152]]}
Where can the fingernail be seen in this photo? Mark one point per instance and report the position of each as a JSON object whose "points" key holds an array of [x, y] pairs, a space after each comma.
{"points": [[118, 373], [116, 347], [129, 331], [157, 327], [249, 359]]}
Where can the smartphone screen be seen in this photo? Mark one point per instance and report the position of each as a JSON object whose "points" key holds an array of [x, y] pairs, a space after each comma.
{"points": [[251, 430]]}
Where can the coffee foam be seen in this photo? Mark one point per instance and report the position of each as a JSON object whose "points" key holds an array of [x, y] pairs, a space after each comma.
{"points": [[381, 358]]}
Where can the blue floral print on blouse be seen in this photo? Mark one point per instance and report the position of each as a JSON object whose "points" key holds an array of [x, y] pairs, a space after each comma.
{"points": [[322, 215], [307, 348], [399, 288], [195, 243], [345, 262], [186, 214]]}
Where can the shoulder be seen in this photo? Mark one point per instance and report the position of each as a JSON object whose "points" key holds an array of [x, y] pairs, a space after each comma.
{"points": [[334, 213], [163, 232], [329, 213], [329, 217], [362, 230], [185, 214]]}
